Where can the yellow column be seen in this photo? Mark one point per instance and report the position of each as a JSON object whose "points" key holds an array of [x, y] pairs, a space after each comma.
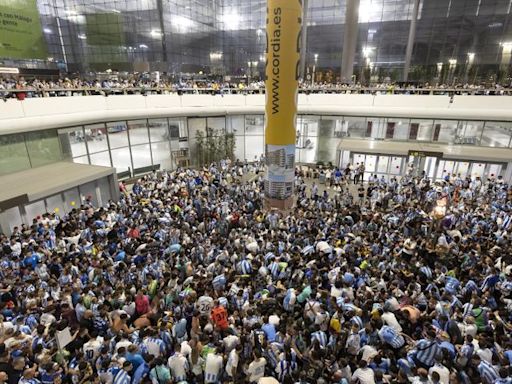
{"points": [[284, 23]]}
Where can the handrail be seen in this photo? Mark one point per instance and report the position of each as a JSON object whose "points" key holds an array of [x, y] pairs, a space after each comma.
{"points": [[87, 91]]}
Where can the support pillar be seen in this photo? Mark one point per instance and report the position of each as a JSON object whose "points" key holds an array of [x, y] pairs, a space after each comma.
{"points": [[349, 40], [160, 7], [410, 40], [284, 22], [304, 40]]}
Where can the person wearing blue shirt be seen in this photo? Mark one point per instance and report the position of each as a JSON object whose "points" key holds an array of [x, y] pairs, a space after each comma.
{"points": [[269, 329], [134, 357], [31, 260]]}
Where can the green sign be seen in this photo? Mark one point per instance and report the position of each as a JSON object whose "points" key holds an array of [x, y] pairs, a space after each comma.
{"points": [[21, 36]]}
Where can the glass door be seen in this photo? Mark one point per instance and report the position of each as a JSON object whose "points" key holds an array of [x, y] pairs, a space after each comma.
{"points": [[369, 166], [494, 171], [430, 166]]}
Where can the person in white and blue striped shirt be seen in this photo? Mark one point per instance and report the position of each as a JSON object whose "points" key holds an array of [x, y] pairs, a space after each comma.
{"points": [[122, 376]]}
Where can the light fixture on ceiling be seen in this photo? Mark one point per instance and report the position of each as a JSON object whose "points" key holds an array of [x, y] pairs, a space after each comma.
{"points": [[367, 51], [155, 33], [215, 55], [183, 24], [231, 20]]}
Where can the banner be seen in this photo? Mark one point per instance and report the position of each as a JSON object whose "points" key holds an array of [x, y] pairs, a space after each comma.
{"points": [[21, 36], [284, 24]]}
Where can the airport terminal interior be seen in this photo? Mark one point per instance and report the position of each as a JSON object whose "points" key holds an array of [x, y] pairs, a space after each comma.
{"points": [[255, 191]]}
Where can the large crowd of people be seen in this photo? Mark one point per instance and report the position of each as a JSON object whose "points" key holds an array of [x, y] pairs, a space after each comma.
{"points": [[188, 278], [19, 87]]}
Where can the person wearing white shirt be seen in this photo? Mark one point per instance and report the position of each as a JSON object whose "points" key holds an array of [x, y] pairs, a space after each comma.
{"points": [[15, 248], [213, 368], [123, 343], [230, 342], [178, 365], [233, 360], [363, 374], [442, 371], [204, 304], [92, 348], [256, 369], [389, 319]]}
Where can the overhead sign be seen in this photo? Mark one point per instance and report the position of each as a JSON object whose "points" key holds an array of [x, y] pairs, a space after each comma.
{"points": [[21, 36], [425, 154]]}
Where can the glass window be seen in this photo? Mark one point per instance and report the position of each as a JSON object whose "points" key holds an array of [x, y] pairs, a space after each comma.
{"points": [[196, 125], [235, 125], [327, 145], [253, 147], [217, 124], [121, 159], [101, 158], [469, 132], [307, 152], [330, 126], [240, 148], [72, 141], [254, 124], [117, 135], [308, 125], [444, 131], [43, 147], [181, 123], [138, 131], [81, 160], [141, 155], [162, 154], [496, 134], [420, 130], [376, 129], [95, 137], [397, 129], [356, 127], [13, 154], [158, 130]]}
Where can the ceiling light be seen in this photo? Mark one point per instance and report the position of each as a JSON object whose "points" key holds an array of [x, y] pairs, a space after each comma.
{"points": [[367, 51], [47, 30], [231, 20], [155, 33], [82, 36], [143, 46]]}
